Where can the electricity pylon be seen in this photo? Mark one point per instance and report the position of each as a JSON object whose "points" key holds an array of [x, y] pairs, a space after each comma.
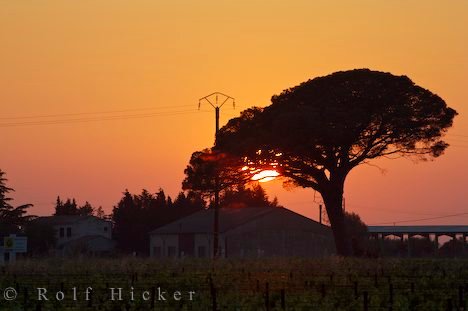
{"points": [[216, 104]]}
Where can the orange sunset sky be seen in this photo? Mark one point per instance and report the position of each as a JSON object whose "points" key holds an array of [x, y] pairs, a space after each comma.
{"points": [[63, 63]]}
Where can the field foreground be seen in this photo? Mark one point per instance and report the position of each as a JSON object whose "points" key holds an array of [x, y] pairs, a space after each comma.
{"points": [[261, 284]]}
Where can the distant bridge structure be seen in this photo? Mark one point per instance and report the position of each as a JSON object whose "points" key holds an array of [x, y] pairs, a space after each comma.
{"points": [[432, 233]]}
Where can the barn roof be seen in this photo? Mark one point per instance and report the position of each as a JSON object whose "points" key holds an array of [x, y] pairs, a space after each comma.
{"points": [[229, 218], [62, 219]]}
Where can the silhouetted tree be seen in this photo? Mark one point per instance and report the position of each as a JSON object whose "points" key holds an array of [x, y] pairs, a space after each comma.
{"points": [[136, 215], [395, 247], [70, 207], [454, 248], [208, 170], [357, 231], [191, 200], [242, 196], [12, 219], [41, 237], [321, 129], [86, 210], [99, 213], [421, 247]]}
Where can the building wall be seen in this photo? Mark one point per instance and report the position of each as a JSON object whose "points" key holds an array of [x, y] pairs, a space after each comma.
{"points": [[100, 245], [92, 246], [203, 245], [281, 233], [283, 243], [249, 243], [89, 226], [167, 245]]}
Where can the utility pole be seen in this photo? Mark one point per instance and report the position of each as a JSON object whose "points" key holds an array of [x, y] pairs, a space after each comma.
{"points": [[217, 106]]}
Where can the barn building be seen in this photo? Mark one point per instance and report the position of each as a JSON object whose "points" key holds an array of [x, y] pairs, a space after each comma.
{"points": [[243, 232]]}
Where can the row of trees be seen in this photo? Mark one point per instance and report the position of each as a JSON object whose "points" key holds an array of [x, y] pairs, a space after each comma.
{"points": [[133, 217], [416, 247], [137, 214], [70, 207]]}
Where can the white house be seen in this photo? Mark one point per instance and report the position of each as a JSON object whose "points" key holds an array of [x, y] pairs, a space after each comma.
{"points": [[243, 232], [80, 234]]}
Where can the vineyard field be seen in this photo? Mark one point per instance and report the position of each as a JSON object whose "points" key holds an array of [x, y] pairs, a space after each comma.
{"points": [[257, 284]]}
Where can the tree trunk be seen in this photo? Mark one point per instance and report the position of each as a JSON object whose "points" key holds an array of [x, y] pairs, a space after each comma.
{"points": [[333, 199]]}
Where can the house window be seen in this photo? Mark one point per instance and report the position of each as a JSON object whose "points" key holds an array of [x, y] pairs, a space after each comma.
{"points": [[201, 251], [171, 251], [157, 251], [68, 232], [62, 232]]}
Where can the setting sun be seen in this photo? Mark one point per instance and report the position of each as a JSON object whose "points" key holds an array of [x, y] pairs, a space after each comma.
{"points": [[265, 176]]}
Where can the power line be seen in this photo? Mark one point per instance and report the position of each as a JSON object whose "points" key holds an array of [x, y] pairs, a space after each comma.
{"points": [[91, 113], [420, 219], [393, 211], [367, 207], [103, 118], [95, 118]]}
